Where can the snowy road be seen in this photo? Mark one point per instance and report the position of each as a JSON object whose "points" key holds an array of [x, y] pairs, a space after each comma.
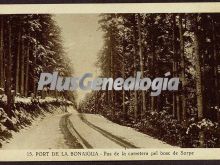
{"points": [[99, 132], [46, 133], [75, 130]]}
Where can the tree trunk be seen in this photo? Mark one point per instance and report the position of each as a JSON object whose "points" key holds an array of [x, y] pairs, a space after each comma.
{"points": [[178, 114], [35, 73], [154, 99], [112, 74], [135, 70], [135, 92], [198, 77], [123, 91], [22, 67], [8, 73], [174, 108], [27, 70], [141, 63], [182, 64], [2, 79], [17, 88]]}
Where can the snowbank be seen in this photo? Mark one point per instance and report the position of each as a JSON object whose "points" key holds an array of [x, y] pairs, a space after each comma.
{"points": [[25, 111]]}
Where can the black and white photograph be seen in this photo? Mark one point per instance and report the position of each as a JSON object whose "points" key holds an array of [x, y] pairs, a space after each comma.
{"points": [[109, 81]]}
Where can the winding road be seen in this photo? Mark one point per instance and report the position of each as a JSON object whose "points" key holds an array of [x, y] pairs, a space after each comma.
{"points": [[75, 130]]}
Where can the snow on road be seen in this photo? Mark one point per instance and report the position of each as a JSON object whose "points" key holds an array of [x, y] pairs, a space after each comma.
{"points": [[94, 138], [97, 139], [75, 130], [140, 140], [42, 134]]}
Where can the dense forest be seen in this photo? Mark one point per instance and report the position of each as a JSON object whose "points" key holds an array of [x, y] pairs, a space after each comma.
{"points": [[187, 45], [29, 44]]}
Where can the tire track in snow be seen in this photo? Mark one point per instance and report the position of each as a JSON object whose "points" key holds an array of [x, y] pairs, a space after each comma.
{"points": [[71, 140], [107, 134]]}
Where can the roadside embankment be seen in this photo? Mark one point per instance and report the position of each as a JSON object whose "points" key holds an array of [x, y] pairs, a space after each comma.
{"points": [[25, 111]]}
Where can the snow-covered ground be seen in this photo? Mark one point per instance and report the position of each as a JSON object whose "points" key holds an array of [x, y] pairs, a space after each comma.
{"points": [[98, 140], [140, 140], [91, 130], [44, 133], [94, 138]]}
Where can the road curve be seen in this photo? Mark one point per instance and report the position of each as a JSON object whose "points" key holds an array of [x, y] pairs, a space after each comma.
{"points": [[76, 131], [45, 133]]}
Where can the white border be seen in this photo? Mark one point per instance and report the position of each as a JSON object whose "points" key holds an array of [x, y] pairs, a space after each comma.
{"points": [[213, 7]]}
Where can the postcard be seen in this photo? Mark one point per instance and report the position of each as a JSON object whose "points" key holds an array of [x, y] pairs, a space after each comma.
{"points": [[110, 81]]}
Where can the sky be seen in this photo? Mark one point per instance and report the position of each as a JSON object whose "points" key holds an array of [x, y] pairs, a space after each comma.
{"points": [[82, 40]]}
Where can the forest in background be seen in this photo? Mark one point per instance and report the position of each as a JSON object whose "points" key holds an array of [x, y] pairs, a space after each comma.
{"points": [[187, 45], [29, 44]]}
